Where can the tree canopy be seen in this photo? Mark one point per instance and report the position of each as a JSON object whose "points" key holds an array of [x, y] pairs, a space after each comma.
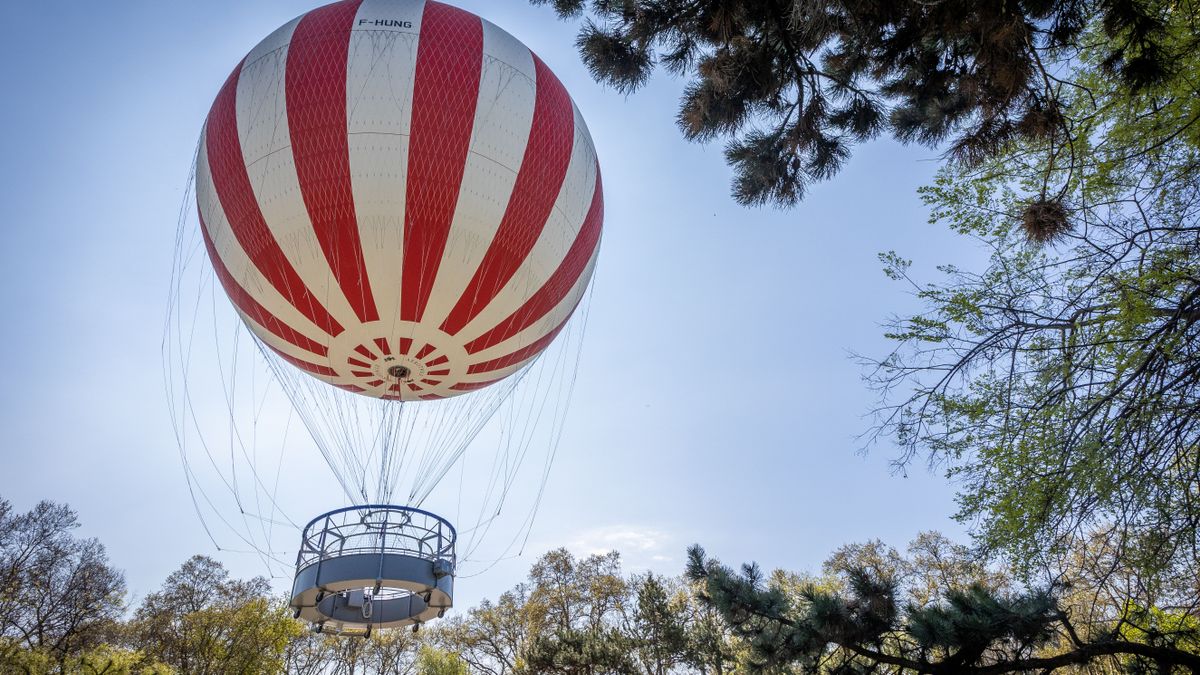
{"points": [[935, 609], [59, 597], [204, 622], [1059, 385], [793, 85]]}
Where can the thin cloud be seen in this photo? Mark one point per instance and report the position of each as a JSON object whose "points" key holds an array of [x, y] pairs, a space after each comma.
{"points": [[641, 548]]}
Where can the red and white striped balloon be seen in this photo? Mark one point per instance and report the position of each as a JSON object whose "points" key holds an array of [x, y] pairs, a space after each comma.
{"points": [[399, 198]]}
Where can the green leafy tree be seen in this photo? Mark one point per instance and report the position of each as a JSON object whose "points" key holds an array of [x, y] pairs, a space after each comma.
{"points": [[110, 660], [659, 625], [393, 652], [434, 661], [59, 596], [794, 84], [1159, 628], [711, 648], [345, 654], [385, 652], [595, 650], [574, 605], [491, 637], [307, 654], [1059, 385], [931, 565], [571, 593], [204, 622], [584, 616], [102, 659]]}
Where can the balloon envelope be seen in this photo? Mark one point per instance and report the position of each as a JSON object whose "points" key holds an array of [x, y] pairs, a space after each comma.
{"points": [[399, 198]]}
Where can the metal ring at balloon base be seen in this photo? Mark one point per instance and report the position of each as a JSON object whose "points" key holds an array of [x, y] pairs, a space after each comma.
{"points": [[375, 566]]}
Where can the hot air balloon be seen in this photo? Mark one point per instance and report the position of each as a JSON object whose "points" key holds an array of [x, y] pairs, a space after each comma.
{"points": [[404, 208]]}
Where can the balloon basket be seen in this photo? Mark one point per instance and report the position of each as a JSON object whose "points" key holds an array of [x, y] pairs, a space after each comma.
{"points": [[372, 567]]}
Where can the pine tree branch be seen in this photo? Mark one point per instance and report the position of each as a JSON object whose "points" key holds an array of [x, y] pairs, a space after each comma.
{"points": [[1084, 654], [880, 657], [1089, 653]]}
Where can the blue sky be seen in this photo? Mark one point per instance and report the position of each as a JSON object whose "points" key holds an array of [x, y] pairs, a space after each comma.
{"points": [[716, 400]]}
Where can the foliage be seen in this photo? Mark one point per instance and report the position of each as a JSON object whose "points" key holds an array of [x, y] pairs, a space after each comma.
{"points": [[383, 653], [1059, 385], [204, 622], [434, 661], [661, 624], [934, 608], [592, 651], [104, 659], [583, 616], [492, 636], [574, 615], [58, 594], [876, 615], [794, 84]]}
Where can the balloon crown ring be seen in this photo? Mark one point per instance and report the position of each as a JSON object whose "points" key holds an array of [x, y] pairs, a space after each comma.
{"points": [[401, 373]]}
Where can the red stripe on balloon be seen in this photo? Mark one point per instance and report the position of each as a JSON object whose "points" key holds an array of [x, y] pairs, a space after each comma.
{"points": [[237, 199], [559, 283], [355, 362], [438, 361], [382, 343], [472, 386], [431, 397], [316, 110], [305, 365], [518, 356], [539, 180], [251, 308], [445, 92], [405, 345], [425, 351]]}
